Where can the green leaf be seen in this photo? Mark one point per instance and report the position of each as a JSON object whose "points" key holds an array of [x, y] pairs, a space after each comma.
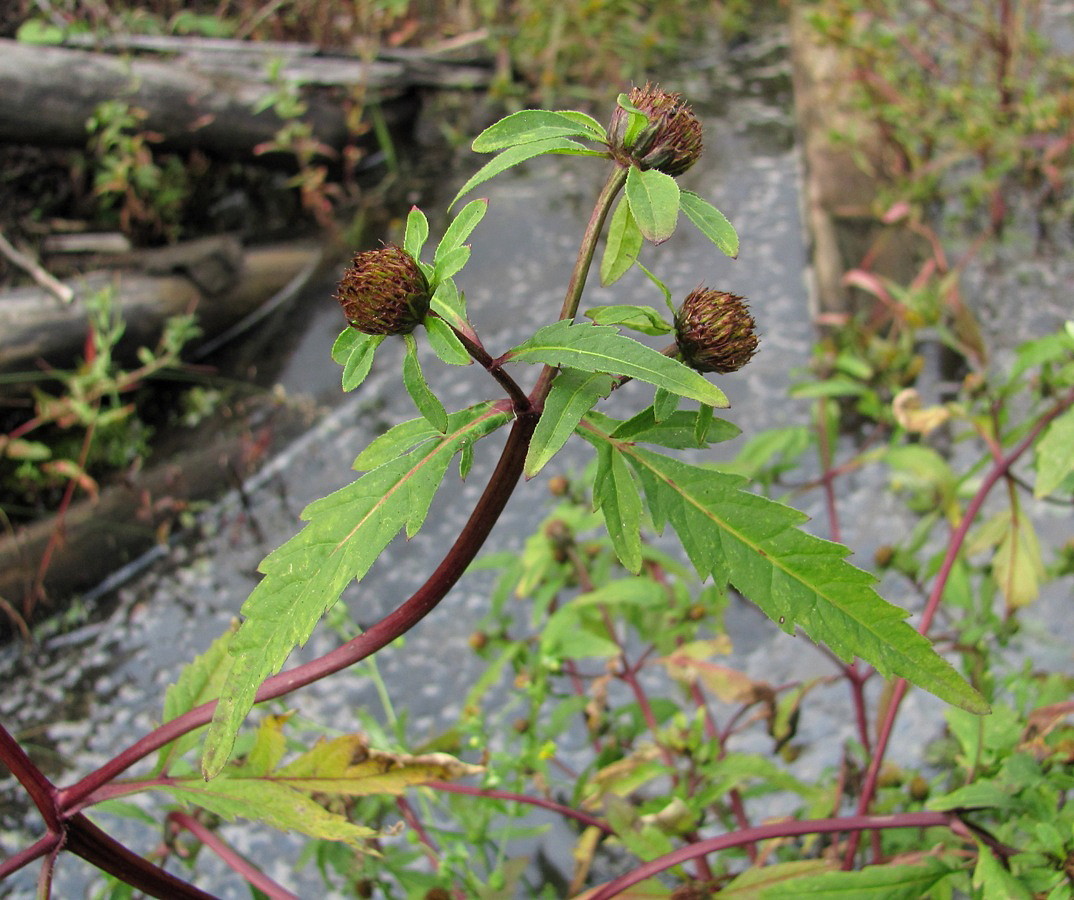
{"points": [[586, 121], [1055, 459], [654, 202], [449, 303], [710, 222], [643, 319], [396, 441], [616, 495], [417, 232], [623, 244], [678, 431], [414, 381], [198, 683], [750, 884], [531, 125], [600, 348], [268, 801], [994, 881], [347, 531], [445, 343], [637, 120], [889, 882], [460, 229], [451, 263], [664, 404], [572, 395], [515, 155], [354, 351], [796, 579]]}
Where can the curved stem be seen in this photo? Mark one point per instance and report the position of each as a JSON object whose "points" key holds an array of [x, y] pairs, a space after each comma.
{"points": [[855, 824], [470, 540]]}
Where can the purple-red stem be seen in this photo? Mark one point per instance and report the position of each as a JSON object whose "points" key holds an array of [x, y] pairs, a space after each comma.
{"points": [[232, 859]]}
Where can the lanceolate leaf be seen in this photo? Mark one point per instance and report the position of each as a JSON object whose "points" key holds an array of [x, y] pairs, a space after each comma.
{"points": [[417, 232], [515, 155], [600, 348], [871, 883], [424, 399], [445, 342], [347, 530], [654, 202], [796, 579], [623, 244], [1055, 461], [710, 222], [616, 494], [572, 396], [460, 229], [644, 319], [531, 125], [354, 351], [449, 303]]}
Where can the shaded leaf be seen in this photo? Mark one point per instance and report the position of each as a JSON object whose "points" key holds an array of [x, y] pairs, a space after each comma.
{"points": [[654, 202], [600, 348], [304, 577], [572, 395]]}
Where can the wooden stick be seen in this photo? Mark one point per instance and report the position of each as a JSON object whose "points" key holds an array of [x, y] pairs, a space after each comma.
{"points": [[58, 289]]}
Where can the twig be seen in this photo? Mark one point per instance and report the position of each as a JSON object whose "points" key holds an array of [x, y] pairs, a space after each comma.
{"points": [[58, 289]]}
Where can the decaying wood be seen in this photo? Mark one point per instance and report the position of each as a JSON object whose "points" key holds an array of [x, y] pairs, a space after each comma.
{"points": [[28, 264], [204, 102], [213, 278]]}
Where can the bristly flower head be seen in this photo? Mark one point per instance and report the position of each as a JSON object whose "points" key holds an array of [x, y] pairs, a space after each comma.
{"points": [[384, 291], [715, 331], [670, 143]]}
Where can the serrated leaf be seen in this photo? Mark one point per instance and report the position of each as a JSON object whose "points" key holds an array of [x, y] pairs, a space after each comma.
{"points": [[461, 227], [993, 879], [265, 800], [346, 532], [751, 883], [643, 319], [889, 882], [1055, 454], [572, 395], [530, 125], [417, 232], [600, 348], [654, 203], [198, 683], [622, 245], [515, 155], [710, 222], [396, 441], [796, 579], [664, 405], [616, 495], [425, 400], [445, 343], [451, 263]]}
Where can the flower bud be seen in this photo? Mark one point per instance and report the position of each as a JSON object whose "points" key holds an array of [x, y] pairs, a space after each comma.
{"points": [[670, 142], [384, 291], [715, 331]]}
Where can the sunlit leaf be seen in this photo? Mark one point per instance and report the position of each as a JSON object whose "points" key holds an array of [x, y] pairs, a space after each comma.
{"points": [[796, 579], [643, 319], [354, 351], [460, 229], [622, 245], [887, 882], [445, 343], [346, 532], [425, 400], [710, 222], [616, 495], [531, 125], [600, 348], [417, 232]]}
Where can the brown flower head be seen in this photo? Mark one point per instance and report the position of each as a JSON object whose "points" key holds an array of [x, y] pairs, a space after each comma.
{"points": [[715, 331], [384, 291], [670, 142]]}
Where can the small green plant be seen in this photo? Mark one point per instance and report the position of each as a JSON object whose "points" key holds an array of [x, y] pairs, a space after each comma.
{"points": [[88, 425], [145, 191]]}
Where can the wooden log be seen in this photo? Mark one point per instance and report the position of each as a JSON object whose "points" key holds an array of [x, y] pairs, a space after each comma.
{"points": [[47, 94], [212, 277]]}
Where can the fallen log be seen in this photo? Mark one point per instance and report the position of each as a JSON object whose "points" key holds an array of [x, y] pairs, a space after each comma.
{"points": [[204, 101]]}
